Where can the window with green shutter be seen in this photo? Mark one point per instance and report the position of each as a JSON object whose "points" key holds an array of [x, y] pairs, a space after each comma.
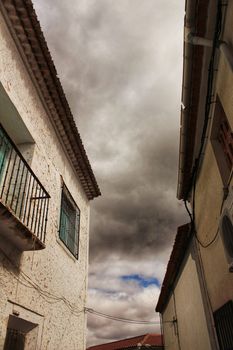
{"points": [[69, 222], [5, 148]]}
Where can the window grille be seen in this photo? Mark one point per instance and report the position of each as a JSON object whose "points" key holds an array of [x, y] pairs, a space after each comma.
{"points": [[222, 141], [69, 222], [227, 233], [223, 318], [14, 340], [225, 138]]}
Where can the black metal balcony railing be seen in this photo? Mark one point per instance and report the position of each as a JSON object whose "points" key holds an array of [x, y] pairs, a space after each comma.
{"points": [[223, 318], [21, 192]]}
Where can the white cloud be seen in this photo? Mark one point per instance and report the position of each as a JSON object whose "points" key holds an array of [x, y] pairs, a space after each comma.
{"points": [[109, 294], [129, 302]]}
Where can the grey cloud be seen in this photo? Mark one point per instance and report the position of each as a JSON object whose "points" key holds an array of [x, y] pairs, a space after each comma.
{"points": [[120, 66], [138, 214], [131, 229]]}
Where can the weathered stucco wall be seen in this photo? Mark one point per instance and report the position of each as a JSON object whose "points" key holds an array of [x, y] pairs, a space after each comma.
{"points": [[209, 192], [186, 305], [54, 270]]}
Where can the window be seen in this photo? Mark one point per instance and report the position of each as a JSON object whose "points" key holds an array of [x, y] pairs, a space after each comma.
{"points": [[5, 148], [14, 340], [226, 229], [222, 141], [21, 334], [69, 222], [223, 318]]}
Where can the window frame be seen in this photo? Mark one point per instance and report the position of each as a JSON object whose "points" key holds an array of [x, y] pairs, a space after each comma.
{"points": [[219, 118], [226, 232], [67, 197]]}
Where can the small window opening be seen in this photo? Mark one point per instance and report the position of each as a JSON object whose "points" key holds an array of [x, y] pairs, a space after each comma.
{"points": [[21, 334], [227, 229], [222, 142], [227, 236], [225, 138]]}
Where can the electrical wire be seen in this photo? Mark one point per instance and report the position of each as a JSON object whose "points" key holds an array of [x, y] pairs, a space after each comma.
{"points": [[208, 102], [121, 319], [53, 298]]}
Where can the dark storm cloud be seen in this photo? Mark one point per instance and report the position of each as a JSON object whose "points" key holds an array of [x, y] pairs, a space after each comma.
{"points": [[138, 215], [120, 63], [142, 224]]}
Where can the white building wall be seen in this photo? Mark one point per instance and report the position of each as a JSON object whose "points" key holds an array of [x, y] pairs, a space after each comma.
{"points": [[54, 270]]}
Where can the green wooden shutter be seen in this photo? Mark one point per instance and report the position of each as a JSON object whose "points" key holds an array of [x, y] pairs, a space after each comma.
{"points": [[69, 223], [63, 225], [71, 232]]}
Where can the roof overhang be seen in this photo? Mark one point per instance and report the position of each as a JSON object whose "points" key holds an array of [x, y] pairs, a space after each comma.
{"points": [[178, 253], [199, 18]]}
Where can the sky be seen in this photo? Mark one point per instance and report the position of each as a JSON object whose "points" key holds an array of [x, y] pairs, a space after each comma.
{"points": [[120, 64]]}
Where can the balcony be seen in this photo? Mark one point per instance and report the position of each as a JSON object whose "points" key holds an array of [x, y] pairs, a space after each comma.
{"points": [[23, 200]]}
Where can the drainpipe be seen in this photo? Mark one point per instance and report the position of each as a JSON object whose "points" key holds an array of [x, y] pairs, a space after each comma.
{"points": [[222, 45], [190, 6]]}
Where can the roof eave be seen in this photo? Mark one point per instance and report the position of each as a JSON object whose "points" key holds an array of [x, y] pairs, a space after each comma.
{"points": [[192, 76], [181, 244]]}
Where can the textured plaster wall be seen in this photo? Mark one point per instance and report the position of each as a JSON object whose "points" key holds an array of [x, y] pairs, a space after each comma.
{"points": [[186, 305], [53, 269], [209, 192]]}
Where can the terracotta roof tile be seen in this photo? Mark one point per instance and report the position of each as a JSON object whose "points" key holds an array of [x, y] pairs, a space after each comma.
{"points": [[145, 339], [178, 252]]}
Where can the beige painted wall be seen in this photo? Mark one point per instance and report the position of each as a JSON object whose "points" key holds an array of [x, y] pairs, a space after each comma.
{"points": [[171, 340], [186, 305], [209, 192], [54, 269]]}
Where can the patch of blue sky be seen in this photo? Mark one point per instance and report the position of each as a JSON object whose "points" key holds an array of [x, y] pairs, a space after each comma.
{"points": [[143, 281]]}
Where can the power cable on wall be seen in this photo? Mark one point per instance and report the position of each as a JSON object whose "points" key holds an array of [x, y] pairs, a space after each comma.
{"points": [[208, 103], [50, 298], [53, 299]]}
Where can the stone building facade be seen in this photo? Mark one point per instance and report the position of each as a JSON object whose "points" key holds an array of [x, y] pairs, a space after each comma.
{"points": [[46, 184], [196, 300]]}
